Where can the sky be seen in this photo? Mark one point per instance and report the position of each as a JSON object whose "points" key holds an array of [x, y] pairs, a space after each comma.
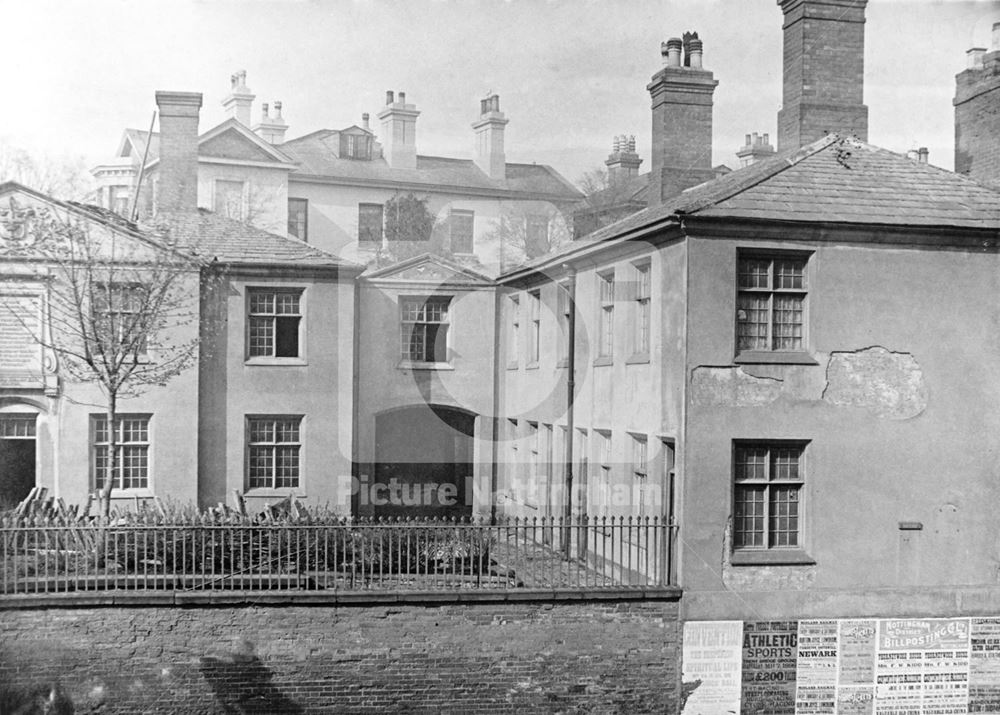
{"points": [[571, 74]]}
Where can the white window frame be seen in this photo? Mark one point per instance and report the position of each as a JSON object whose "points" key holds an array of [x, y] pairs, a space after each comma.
{"points": [[274, 445]]}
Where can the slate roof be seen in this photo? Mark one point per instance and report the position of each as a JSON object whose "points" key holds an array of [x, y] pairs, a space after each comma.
{"points": [[316, 156], [215, 237], [833, 180]]}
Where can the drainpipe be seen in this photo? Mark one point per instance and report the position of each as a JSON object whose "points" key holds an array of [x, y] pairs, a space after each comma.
{"points": [[570, 394], [497, 327]]}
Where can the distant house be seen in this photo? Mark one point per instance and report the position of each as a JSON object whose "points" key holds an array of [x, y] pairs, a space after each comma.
{"points": [[330, 186], [267, 406]]}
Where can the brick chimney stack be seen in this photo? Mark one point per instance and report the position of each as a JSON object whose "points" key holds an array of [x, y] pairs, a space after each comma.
{"points": [[178, 171], [977, 114], [240, 99], [623, 163], [757, 147], [681, 95], [271, 127], [824, 67], [399, 131], [489, 155]]}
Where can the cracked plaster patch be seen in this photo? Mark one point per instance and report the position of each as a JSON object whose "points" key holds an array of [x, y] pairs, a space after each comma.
{"points": [[732, 387], [890, 384]]}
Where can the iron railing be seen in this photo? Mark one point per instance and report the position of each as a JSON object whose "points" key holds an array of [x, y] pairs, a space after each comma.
{"points": [[52, 556]]}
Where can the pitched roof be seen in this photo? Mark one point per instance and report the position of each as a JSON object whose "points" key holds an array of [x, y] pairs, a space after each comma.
{"points": [[833, 180], [262, 150], [215, 237], [428, 267], [316, 156]]}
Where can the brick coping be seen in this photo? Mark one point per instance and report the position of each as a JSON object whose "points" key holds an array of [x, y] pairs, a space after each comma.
{"points": [[118, 599]]}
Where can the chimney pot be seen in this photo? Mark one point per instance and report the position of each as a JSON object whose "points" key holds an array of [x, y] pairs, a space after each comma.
{"points": [[975, 57], [402, 97], [923, 154], [277, 109], [767, 138], [483, 108], [264, 108], [232, 81], [631, 143], [365, 121], [389, 98], [996, 35], [694, 53], [496, 102], [747, 143], [672, 51]]}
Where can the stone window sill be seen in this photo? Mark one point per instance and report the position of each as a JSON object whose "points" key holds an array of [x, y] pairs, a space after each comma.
{"points": [[531, 366], [638, 359], [771, 557], [275, 362], [603, 360], [416, 365], [563, 363], [511, 365], [767, 357]]}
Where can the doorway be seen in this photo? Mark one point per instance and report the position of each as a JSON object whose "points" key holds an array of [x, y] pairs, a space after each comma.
{"points": [[17, 457], [423, 462]]}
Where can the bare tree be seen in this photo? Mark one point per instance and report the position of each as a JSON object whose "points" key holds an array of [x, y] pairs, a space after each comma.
{"points": [[120, 308], [61, 177], [524, 234]]}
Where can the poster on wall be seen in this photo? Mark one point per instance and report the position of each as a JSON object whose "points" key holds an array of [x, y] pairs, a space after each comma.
{"points": [[922, 666], [770, 653], [816, 668], [984, 666], [711, 666]]}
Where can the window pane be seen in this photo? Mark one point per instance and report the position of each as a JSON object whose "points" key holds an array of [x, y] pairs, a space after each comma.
{"points": [[260, 467], [751, 463], [261, 337], [784, 519], [754, 273], [788, 274], [286, 470], [261, 303], [286, 303], [785, 463], [462, 224], [787, 322], [748, 526], [752, 322], [298, 210], [370, 223]]}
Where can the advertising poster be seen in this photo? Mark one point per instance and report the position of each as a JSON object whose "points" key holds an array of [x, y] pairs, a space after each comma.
{"points": [[816, 669], [855, 700], [770, 653], [856, 658], [711, 666], [984, 666], [922, 666]]}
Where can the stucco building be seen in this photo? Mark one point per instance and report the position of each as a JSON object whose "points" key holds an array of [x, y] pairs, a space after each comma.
{"points": [[266, 408], [329, 187]]}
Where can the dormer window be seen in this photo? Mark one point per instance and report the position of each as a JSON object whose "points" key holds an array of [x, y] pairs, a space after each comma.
{"points": [[355, 146]]}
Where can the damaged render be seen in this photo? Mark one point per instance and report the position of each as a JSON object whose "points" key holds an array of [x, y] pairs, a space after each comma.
{"points": [[732, 387], [890, 384]]}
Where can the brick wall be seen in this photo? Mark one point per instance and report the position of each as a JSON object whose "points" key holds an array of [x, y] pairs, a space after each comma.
{"points": [[823, 75], [475, 657], [682, 131], [977, 122]]}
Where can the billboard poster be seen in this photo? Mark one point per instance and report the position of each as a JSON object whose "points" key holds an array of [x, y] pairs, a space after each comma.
{"points": [[711, 666], [855, 700], [816, 668], [770, 654], [984, 666], [856, 656], [922, 666]]}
